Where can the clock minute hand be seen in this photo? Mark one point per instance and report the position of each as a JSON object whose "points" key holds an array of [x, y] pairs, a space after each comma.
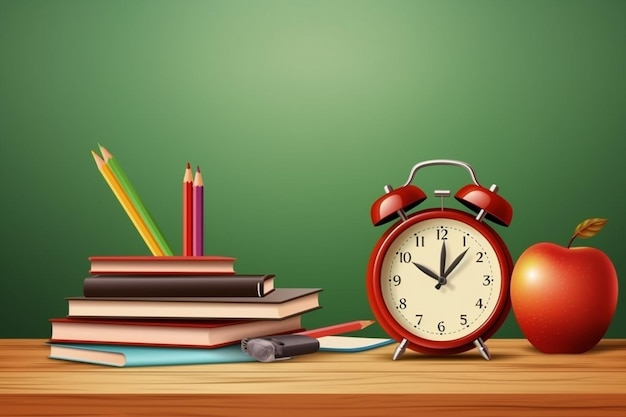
{"points": [[442, 260]]}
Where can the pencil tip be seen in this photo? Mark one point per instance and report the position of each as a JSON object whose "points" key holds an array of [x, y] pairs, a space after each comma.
{"points": [[106, 155], [188, 166], [96, 157], [197, 168], [99, 146]]}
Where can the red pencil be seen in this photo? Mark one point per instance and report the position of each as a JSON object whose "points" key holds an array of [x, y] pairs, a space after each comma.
{"points": [[198, 214], [188, 212], [337, 328]]}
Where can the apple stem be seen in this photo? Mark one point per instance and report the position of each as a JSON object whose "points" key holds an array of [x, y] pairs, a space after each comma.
{"points": [[587, 228], [571, 241]]}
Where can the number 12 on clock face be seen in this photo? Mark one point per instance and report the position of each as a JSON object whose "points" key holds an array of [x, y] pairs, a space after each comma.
{"points": [[441, 279]]}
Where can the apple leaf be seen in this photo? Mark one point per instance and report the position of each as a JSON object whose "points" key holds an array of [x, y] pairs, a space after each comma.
{"points": [[587, 228]]}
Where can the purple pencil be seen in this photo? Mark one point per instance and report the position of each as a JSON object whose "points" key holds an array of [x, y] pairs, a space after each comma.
{"points": [[198, 214]]}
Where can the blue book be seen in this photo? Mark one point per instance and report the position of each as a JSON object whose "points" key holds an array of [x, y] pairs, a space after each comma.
{"points": [[129, 356]]}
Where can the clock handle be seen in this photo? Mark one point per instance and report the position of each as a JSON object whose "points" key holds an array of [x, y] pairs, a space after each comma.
{"points": [[486, 202], [434, 162]]}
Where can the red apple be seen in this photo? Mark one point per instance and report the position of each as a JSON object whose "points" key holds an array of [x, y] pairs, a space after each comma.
{"points": [[563, 298]]}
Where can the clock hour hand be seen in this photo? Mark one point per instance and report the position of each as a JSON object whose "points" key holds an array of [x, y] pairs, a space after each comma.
{"points": [[426, 271]]}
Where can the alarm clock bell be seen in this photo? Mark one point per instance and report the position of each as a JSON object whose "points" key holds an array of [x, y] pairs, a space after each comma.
{"points": [[485, 202]]}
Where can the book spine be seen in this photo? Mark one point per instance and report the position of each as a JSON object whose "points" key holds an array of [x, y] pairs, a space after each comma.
{"points": [[177, 286]]}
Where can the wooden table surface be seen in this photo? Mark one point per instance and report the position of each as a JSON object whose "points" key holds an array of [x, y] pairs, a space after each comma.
{"points": [[518, 380]]}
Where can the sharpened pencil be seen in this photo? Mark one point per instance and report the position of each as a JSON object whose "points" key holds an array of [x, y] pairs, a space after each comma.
{"points": [[188, 212], [143, 212], [336, 329], [125, 202], [198, 214]]}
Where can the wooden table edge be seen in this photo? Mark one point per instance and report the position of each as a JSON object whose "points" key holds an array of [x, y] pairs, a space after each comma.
{"points": [[327, 405]]}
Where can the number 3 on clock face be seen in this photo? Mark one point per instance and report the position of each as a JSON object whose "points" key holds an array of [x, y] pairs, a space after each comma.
{"points": [[443, 279]]}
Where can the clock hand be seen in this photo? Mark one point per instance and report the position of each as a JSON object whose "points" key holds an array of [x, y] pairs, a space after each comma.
{"points": [[453, 265], [427, 271], [442, 261]]}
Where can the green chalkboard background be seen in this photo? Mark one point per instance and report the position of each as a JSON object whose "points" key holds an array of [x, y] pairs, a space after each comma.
{"points": [[298, 112]]}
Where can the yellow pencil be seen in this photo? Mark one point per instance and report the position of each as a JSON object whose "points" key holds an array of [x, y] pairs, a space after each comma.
{"points": [[130, 191], [128, 206]]}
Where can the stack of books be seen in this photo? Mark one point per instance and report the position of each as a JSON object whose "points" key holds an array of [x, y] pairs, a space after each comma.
{"points": [[168, 310]]}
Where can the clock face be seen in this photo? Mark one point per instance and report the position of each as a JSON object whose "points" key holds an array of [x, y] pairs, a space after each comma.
{"points": [[441, 279]]}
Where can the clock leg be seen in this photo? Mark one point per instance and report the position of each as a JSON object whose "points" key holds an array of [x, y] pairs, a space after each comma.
{"points": [[400, 349], [482, 348]]}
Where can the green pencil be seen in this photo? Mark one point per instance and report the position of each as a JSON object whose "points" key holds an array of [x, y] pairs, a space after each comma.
{"points": [[134, 197]]}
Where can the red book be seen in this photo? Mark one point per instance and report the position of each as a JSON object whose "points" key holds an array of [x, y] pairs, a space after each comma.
{"points": [[181, 333], [161, 265]]}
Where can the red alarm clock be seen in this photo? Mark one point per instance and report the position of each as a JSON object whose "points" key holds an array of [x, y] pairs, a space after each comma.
{"points": [[438, 279]]}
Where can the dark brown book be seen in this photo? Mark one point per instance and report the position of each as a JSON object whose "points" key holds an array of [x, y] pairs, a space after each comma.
{"points": [[279, 304], [178, 285]]}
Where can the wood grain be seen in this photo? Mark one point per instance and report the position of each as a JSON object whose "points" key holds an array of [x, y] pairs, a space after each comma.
{"points": [[517, 381]]}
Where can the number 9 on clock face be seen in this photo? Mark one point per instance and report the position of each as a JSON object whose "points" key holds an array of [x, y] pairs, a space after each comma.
{"points": [[443, 280]]}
